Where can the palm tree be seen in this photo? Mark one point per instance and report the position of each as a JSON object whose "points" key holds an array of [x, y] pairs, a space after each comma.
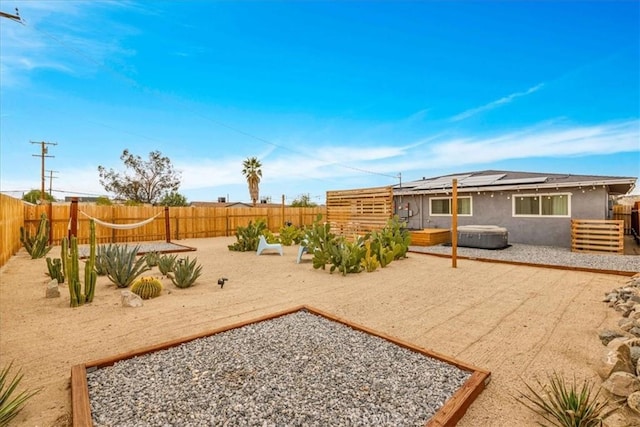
{"points": [[251, 170]]}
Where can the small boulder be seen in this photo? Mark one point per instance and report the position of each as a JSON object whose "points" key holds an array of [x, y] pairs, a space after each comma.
{"points": [[621, 384], [129, 299], [616, 358], [52, 289], [607, 335]]}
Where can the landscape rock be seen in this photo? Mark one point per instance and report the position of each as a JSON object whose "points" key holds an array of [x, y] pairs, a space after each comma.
{"points": [[634, 402], [129, 299], [616, 358], [52, 289], [607, 335], [621, 384]]}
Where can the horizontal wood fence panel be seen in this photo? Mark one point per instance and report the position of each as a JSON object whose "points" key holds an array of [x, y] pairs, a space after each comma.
{"points": [[359, 211], [184, 222], [597, 236]]}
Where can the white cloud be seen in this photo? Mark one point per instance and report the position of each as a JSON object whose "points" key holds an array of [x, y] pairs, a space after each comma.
{"points": [[494, 104]]}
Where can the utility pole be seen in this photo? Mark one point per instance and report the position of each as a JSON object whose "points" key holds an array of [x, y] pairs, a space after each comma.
{"points": [[42, 155], [51, 181], [15, 17]]}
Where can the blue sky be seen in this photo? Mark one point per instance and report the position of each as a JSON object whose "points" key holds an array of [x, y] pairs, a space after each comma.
{"points": [[328, 95]]}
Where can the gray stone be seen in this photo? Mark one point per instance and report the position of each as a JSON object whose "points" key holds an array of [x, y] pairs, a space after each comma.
{"points": [[129, 299], [607, 335], [621, 384], [635, 354], [635, 331], [626, 324], [52, 289]]}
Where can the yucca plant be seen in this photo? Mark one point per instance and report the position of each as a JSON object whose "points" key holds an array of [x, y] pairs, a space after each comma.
{"points": [[123, 267], [11, 404], [566, 405], [152, 258], [185, 272], [166, 263]]}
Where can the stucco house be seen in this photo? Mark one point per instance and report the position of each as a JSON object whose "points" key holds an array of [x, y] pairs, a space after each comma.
{"points": [[535, 208]]}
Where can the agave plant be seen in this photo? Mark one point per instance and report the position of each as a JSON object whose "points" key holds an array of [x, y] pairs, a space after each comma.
{"points": [[166, 263], [185, 272], [10, 404], [566, 405], [123, 267], [103, 254]]}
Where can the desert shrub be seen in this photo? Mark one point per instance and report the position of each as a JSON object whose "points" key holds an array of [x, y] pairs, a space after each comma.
{"points": [[11, 403], [123, 266], [185, 272], [249, 236], [565, 404]]}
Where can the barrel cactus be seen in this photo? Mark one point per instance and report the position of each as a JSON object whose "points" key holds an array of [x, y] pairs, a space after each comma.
{"points": [[147, 287]]}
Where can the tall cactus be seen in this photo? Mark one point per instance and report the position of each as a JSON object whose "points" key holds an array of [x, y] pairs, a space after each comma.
{"points": [[70, 265], [90, 274], [69, 255], [37, 246]]}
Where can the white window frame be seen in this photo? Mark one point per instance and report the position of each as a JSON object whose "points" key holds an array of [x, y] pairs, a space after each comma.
{"points": [[540, 196], [450, 199]]}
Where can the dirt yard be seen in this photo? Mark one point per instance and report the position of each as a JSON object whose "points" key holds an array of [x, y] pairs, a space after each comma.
{"points": [[517, 322]]}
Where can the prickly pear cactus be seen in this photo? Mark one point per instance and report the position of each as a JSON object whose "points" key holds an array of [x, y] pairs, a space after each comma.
{"points": [[147, 287]]}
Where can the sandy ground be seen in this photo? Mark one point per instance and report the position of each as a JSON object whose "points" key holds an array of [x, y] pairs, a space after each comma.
{"points": [[517, 322]]}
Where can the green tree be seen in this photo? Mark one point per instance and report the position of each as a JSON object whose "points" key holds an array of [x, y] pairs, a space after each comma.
{"points": [[145, 182], [33, 196], [103, 201], [304, 201], [251, 170], [174, 199]]}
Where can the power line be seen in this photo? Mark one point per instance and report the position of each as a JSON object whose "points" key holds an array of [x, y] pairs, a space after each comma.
{"points": [[51, 180]]}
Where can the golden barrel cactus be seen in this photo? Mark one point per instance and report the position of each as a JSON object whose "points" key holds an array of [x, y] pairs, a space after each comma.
{"points": [[147, 287]]}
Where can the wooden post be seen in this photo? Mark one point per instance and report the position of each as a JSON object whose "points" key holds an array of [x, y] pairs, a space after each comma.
{"points": [[73, 227], [167, 228], [283, 221], [454, 223]]}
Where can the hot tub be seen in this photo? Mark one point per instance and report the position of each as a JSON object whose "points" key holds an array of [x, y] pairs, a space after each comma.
{"points": [[482, 236]]}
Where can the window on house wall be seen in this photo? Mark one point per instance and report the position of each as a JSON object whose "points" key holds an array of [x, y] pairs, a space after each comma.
{"points": [[442, 206], [558, 205]]}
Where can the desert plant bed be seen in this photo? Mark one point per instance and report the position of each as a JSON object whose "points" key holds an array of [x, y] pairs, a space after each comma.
{"points": [[296, 367]]}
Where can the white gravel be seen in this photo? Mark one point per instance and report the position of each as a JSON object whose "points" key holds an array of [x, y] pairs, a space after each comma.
{"points": [[543, 255], [300, 369]]}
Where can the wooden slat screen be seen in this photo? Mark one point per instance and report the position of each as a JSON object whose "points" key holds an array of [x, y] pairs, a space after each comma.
{"points": [[597, 235], [11, 219], [359, 211]]}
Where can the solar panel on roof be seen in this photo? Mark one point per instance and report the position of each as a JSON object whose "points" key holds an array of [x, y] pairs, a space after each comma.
{"points": [[533, 180], [441, 182], [478, 181]]}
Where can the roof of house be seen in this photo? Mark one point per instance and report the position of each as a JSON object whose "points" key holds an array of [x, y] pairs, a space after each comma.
{"points": [[494, 180]]}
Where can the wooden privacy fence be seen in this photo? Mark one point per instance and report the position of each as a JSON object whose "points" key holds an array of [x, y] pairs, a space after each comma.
{"points": [[597, 235], [11, 219], [184, 222], [623, 213], [359, 211]]}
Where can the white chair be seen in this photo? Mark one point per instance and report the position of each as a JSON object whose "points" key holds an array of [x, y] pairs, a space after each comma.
{"points": [[264, 246], [301, 251]]}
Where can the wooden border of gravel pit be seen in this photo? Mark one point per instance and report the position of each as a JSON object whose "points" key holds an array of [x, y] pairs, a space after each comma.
{"points": [[448, 415]]}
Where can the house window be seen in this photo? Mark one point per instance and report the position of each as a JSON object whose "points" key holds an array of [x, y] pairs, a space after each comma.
{"points": [[442, 206], [558, 205]]}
